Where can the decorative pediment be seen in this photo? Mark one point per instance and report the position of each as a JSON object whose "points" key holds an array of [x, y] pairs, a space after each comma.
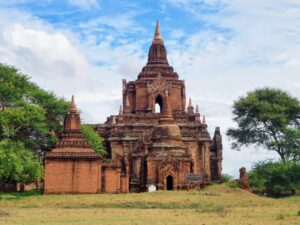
{"points": [[159, 86], [170, 163]]}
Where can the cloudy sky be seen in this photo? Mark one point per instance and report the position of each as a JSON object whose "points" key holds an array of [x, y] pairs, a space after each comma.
{"points": [[222, 49]]}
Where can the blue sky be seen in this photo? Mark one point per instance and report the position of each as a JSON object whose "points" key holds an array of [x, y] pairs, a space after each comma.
{"points": [[222, 49]]}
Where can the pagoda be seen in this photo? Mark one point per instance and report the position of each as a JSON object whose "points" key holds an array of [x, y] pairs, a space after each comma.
{"points": [[159, 139]]}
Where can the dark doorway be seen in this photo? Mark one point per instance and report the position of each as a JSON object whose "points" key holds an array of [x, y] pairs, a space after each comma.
{"points": [[169, 183], [158, 104]]}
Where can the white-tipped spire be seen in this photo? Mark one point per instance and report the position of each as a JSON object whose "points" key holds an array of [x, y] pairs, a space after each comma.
{"points": [[190, 101], [197, 110], [73, 105], [157, 38], [121, 110]]}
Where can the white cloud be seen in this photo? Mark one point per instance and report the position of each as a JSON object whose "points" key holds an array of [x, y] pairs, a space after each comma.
{"points": [[58, 60], [41, 52], [85, 4]]}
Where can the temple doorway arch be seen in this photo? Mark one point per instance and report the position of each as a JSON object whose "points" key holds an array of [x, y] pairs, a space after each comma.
{"points": [[169, 182], [158, 104]]}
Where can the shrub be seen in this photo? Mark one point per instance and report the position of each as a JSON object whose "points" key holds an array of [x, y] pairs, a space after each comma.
{"points": [[93, 139], [233, 184], [226, 177], [275, 178]]}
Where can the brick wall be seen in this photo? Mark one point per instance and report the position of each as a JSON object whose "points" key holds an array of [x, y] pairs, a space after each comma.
{"points": [[72, 176], [112, 180]]}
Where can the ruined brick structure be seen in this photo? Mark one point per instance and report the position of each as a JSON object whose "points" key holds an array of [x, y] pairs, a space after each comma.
{"points": [[145, 147], [244, 179]]}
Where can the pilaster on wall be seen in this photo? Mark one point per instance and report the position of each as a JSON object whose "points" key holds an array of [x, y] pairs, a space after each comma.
{"points": [[207, 160], [151, 172]]}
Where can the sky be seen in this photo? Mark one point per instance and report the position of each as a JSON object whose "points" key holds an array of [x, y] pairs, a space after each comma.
{"points": [[222, 49]]}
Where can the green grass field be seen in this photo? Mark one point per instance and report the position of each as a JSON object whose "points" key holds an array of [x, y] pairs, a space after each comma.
{"points": [[217, 204]]}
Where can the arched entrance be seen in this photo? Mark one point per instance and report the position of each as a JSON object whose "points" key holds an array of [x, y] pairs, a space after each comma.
{"points": [[158, 104], [169, 183]]}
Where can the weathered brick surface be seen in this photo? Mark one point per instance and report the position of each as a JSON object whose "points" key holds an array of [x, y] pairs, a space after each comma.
{"points": [[72, 166], [142, 140], [146, 147], [72, 176], [112, 180]]}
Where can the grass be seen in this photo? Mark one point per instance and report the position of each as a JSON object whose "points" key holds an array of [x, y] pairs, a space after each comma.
{"points": [[218, 204]]}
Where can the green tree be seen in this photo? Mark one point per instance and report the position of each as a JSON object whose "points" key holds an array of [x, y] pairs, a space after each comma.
{"points": [[93, 139], [275, 178], [270, 118], [18, 164], [28, 113]]}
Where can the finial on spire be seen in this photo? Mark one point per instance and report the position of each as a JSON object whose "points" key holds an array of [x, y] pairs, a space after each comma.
{"points": [[121, 110], [73, 106], [204, 120], [197, 110], [157, 38], [190, 108]]}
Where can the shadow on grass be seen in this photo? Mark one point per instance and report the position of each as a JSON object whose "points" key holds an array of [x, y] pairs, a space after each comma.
{"points": [[199, 207], [12, 196]]}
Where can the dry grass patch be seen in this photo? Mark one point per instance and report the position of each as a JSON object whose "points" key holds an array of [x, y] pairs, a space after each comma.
{"points": [[217, 204]]}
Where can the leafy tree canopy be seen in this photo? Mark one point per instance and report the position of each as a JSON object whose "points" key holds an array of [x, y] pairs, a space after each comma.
{"points": [[275, 178], [268, 117], [18, 163], [93, 139], [28, 113]]}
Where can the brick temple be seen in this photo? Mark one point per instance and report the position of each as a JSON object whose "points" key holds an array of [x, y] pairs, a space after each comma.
{"points": [[154, 140]]}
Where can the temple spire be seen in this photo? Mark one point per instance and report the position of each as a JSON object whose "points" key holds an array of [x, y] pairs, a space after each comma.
{"points": [[190, 101], [73, 108], [72, 119], [190, 108], [157, 38], [197, 110], [197, 118]]}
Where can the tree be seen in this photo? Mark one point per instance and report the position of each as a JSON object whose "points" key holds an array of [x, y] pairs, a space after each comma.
{"points": [[93, 139], [18, 164], [29, 116], [28, 113], [25, 123], [275, 178], [270, 118]]}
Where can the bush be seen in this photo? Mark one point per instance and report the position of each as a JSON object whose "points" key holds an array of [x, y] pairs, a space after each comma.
{"points": [[226, 177], [275, 178], [18, 164], [233, 184], [93, 139]]}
